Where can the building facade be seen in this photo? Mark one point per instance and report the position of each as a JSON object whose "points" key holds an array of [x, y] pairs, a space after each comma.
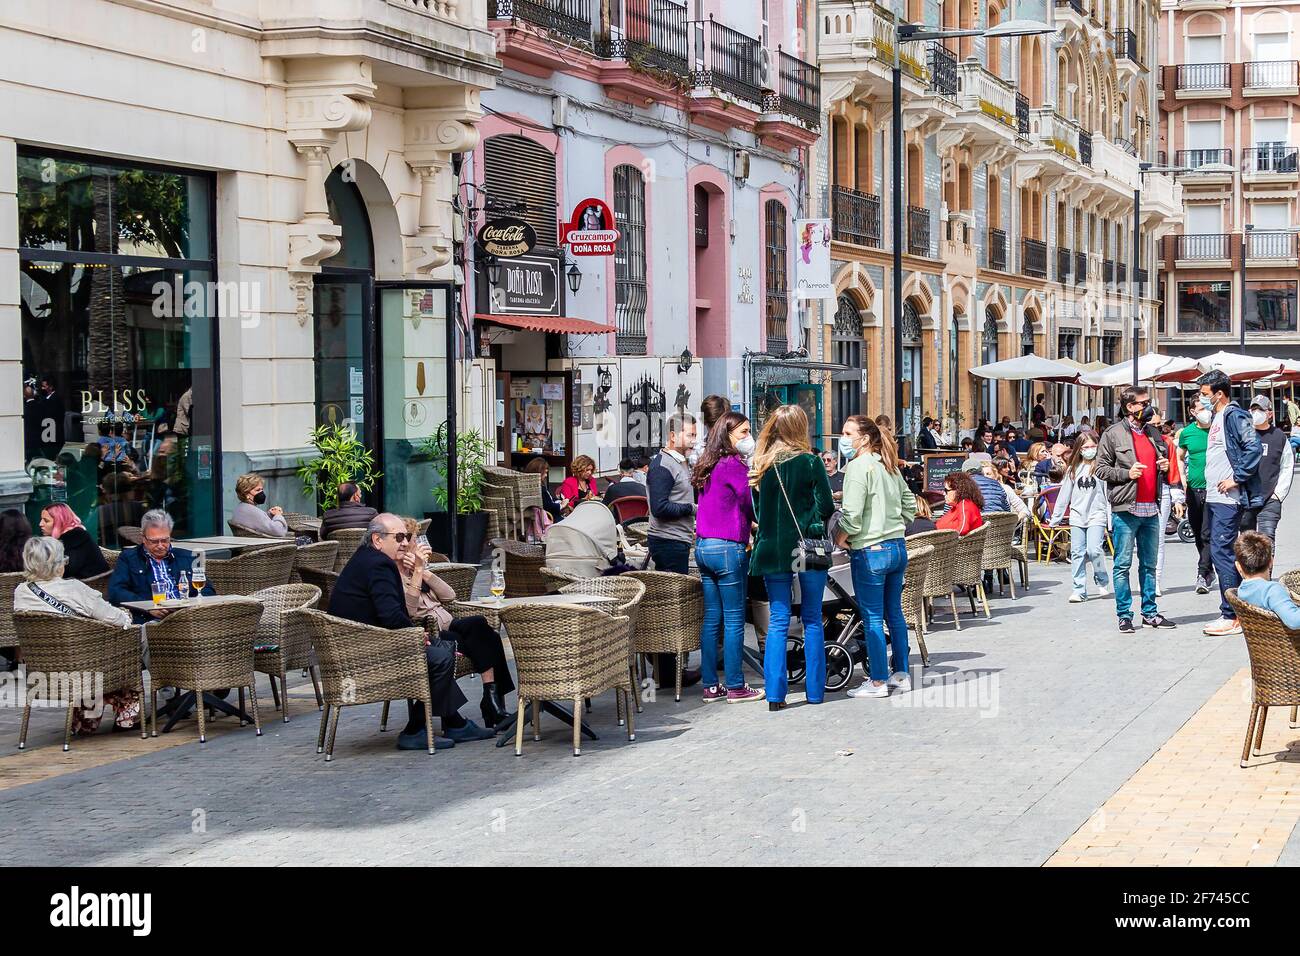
{"points": [[1021, 161], [1229, 114]]}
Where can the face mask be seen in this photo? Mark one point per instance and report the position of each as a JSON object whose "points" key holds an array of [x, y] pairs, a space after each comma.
{"points": [[1207, 402], [1260, 418], [259, 498], [1089, 453], [1145, 415], [746, 446], [847, 450], [1204, 417]]}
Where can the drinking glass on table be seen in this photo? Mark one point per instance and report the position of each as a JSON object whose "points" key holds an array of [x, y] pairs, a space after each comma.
{"points": [[198, 579], [159, 593], [498, 586]]}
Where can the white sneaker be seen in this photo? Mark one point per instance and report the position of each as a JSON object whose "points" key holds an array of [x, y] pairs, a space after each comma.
{"points": [[1223, 627], [1077, 598], [868, 689], [901, 681], [1102, 590]]}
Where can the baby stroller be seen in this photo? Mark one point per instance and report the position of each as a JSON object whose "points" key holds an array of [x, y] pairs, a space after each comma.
{"points": [[588, 541]]}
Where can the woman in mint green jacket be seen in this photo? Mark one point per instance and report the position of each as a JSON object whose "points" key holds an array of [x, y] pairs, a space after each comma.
{"points": [[875, 511]]}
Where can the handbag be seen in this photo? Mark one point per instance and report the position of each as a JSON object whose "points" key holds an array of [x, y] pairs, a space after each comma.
{"points": [[813, 553]]}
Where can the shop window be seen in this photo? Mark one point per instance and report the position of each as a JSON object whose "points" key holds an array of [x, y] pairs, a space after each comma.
{"points": [[1205, 306], [776, 301], [1270, 305]]}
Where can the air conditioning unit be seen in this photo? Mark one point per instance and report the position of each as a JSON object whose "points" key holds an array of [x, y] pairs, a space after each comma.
{"points": [[765, 68]]}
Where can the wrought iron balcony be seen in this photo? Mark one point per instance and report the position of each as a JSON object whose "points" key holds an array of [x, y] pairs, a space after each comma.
{"points": [[1196, 158], [1085, 147], [1202, 76], [1107, 271], [1033, 258], [998, 249], [943, 69], [1022, 114], [1273, 158], [654, 33], [1121, 272], [918, 231], [1075, 5], [1064, 259], [568, 18], [798, 92], [855, 216], [1272, 74], [1080, 266], [1269, 244], [1126, 46], [1203, 246], [727, 60]]}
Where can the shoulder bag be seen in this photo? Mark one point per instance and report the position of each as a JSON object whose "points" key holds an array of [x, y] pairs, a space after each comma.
{"points": [[812, 553]]}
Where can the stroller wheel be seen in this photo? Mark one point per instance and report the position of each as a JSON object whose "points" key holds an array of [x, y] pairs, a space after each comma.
{"points": [[839, 667], [1185, 533], [794, 662]]}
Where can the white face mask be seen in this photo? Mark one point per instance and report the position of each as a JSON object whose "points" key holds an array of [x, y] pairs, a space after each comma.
{"points": [[1089, 453], [1204, 416], [745, 446], [1260, 418]]}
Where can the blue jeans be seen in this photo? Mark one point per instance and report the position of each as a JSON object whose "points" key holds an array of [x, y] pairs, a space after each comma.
{"points": [[724, 571], [1086, 545], [812, 584], [669, 554], [1131, 532], [1221, 525], [878, 586]]}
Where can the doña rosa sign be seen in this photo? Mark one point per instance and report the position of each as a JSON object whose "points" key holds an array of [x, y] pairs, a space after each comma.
{"points": [[592, 230]]}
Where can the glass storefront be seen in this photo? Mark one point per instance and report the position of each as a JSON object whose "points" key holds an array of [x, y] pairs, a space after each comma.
{"points": [[118, 296], [1205, 306], [1270, 305]]}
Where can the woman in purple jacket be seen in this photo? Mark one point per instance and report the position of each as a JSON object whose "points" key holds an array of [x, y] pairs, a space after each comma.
{"points": [[723, 518]]}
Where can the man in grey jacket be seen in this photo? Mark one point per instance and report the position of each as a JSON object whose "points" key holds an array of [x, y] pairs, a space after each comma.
{"points": [[672, 514]]}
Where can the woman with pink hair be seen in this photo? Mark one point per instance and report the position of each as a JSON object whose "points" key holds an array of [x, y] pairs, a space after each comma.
{"points": [[85, 560]]}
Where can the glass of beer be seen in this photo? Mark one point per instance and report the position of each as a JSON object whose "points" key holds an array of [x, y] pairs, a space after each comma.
{"points": [[159, 594], [498, 586], [198, 578]]}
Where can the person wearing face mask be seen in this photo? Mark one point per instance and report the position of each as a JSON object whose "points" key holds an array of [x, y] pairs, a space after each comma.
{"points": [[712, 408], [1132, 460], [1276, 463], [1166, 495], [1232, 485], [1192, 441], [722, 522], [671, 497], [251, 492], [1084, 496]]}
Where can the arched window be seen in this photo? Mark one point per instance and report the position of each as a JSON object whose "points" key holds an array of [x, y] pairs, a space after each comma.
{"points": [[988, 354], [630, 260], [776, 301]]}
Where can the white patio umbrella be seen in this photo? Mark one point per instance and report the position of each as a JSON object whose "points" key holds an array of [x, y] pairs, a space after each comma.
{"points": [[1027, 368], [1152, 367], [1241, 368]]}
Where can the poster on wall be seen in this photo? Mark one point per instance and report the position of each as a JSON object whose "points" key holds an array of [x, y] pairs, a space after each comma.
{"points": [[592, 230], [812, 265]]}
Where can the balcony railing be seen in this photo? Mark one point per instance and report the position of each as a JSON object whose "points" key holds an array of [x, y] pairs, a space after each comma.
{"points": [[1022, 114], [1268, 244], [1085, 147], [1107, 271], [799, 90], [1080, 267], [1033, 258], [998, 250], [943, 69], [654, 32], [1121, 272], [991, 95], [1064, 259], [1203, 246], [1056, 132], [1126, 46], [855, 216], [1202, 76], [568, 18], [1196, 158], [918, 231], [1140, 277], [1127, 146], [1273, 158], [1272, 74], [727, 60], [1075, 5]]}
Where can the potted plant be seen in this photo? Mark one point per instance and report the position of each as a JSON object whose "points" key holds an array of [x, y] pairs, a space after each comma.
{"points": [[341, 457], [472, 451]]}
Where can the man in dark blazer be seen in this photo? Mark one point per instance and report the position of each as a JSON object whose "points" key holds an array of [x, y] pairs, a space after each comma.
{"points": [[350, 513], [153, 561], [369, 591]]}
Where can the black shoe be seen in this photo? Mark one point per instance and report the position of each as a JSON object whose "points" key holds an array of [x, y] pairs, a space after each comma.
{"points": [[776, 705], [1158, 621], [419, 740], [689, 679], [492, 707], [414, 719], [1126, 625], [469, 733]]}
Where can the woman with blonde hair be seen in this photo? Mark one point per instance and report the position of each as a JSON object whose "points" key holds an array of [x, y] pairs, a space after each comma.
{"points": [[250, 489], [792, 501]]}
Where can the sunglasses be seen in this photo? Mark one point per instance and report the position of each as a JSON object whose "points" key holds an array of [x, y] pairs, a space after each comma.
{"points": [[401, 536]]}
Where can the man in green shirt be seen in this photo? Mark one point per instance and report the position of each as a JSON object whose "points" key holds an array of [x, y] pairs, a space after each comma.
{"points": [[1192, 442]]}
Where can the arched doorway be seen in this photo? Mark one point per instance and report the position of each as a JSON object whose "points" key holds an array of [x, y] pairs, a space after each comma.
{"points": [[1027, 348], [913, 382], [988, 354]]}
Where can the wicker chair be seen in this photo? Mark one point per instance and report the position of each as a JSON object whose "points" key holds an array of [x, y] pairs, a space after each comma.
{"points": [[460, 577], [918, 567], [556, 580], [287, 633], [938, 576], [319, 556], [110, 556], [525, 488], [523, 567], [568, 652], [99, 582], [671, 614], [1291, 581], [361, 664], [998, 541], [629, 595], [1022, 560], [56, 645], [251, 571], [8, 582], [243, 531], [349, 540], [968, 568], [1274, 667], [498, 504], [323, 581], [303, 524], [131, 533], [206, 647]]}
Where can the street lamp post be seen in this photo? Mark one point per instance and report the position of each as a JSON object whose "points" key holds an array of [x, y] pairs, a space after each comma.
{"points": [[1245, 253], [1135, 288], [903, 33]]}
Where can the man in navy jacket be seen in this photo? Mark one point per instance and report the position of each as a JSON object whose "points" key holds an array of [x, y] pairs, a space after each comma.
{"points": [[152, 561]]}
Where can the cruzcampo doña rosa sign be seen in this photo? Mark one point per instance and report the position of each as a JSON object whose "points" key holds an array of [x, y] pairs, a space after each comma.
{"points": [[591, 231], [506, 237]]}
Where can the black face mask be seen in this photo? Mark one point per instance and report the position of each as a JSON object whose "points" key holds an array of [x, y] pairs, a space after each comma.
{"points": [[1144, 415], [259, 498]]}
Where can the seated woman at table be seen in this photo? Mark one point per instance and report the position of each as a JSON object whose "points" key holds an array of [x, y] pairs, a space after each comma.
{"points": [[250, 489], [924, 518], [1004, 472], [15, 530], [1039, 458], [85, 560], [581, 483], [153, 561], [540, 466], [473, 636], [45, 588], [964, 504]]}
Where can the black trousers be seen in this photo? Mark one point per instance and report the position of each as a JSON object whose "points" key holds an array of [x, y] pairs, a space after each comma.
{"points": [[1197, 517], [478, 641], [1263, 519], [447, 696]]}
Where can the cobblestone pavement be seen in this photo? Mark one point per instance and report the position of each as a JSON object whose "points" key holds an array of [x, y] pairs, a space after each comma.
{"points": [[1048, 711]]}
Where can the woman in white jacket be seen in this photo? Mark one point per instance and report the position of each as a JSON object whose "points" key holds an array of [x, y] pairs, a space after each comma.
{"points": [[1084, 495]]}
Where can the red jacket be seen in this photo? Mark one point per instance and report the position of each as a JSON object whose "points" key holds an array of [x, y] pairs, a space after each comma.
{"points": [[963, 518]]}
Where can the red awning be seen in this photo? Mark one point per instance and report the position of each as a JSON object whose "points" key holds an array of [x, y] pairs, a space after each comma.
{"points": [[546, 323]]}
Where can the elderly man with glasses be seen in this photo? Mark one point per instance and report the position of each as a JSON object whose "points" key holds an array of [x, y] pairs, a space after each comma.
{"points": [[153, 561], [369, 591]]}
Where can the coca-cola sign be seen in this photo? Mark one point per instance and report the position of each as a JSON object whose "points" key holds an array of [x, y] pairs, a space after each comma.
{"points": [[506, 238]]}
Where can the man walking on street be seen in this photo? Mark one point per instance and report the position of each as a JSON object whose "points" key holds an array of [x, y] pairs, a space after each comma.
{"points": [[1276, 464], [1232, 484], [1132, 460], [1192, 440]]}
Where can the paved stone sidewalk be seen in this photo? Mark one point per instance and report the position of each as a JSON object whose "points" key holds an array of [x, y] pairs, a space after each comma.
{"points": [[1059, 710]]}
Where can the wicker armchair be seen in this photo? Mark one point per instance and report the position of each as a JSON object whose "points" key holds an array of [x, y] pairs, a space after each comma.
{"points": [[349, 540], [918, 567], [318, 556], [243, 531], [968, 568], [556, 580], [99, 582], [460, 577], [671, 614], [131, 533], [287, 633], [938, 575], [629, 595], [525, 488], [361, 664], [8, 582], [998, 542], [251, 571], [110, 556], [498, 504], [57, 645], [523, 567], [206, 647], [568, 652], [303, 524], [1291, 581], [323, 581], [1274, 666]]}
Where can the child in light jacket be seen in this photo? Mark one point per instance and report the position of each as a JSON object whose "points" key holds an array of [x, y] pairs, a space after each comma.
{"points": [[1083, 494]]}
